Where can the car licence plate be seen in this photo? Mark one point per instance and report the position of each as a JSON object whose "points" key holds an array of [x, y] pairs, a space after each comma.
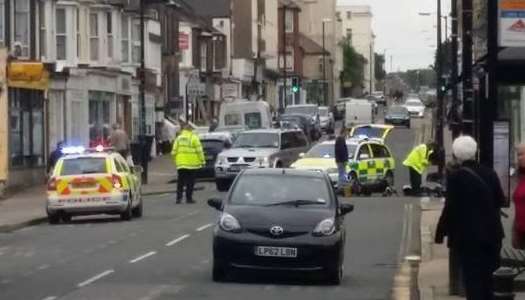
{"points": [[237, 168], [276, 252]]}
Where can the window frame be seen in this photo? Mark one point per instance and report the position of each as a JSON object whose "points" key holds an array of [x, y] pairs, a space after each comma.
{"points": [[359, 152], [61, 34], [110, 34], [135, 41], [2, 22], [42, 29], [26, 47], [125, 41], [289, 22], [93, 37]]}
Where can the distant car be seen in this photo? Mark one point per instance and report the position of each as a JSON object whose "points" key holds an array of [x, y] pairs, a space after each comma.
{"points": [[89, 182], [327, 119], [415, 107], [263, 148], [311, 110], [379, 97], [398, 115], [233, 130], [280, 220], [213, 144], [302, 122]]}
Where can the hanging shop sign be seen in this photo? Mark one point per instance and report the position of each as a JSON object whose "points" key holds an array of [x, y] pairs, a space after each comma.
{"points": [[512, 23]]}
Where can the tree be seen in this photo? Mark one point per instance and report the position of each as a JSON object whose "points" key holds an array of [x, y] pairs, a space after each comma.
{"points": [[380, 67], [353, 65]]}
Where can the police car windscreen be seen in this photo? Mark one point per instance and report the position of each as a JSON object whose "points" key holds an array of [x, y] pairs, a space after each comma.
{"points": [[84, 165], [260, 190], [371, 132], [327, 151]]}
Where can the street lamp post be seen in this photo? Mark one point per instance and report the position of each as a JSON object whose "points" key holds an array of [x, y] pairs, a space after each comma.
{"points": [[325, 89], [440, 92]]}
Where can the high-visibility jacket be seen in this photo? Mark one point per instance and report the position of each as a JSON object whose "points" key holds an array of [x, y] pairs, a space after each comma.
{"points": [[418, 159], [187, 151]]}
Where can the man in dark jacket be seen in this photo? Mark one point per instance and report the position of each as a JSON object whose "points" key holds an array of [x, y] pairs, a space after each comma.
{"points": [[54, 157], [471, 219], [341, 157]]}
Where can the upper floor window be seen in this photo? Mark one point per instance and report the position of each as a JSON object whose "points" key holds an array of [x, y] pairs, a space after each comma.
{"points": [[124, 35], [204, 56], [94, 37], [289, 21], [61, 34], [349, 15], [77, 30], [2, 22], [22, 27], [135, 47], [338, 15], [109, 32], [349, 34], [43, 29]]}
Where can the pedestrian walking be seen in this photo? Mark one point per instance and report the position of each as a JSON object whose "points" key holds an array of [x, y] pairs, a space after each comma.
{"points": [[471, 219], [119, 140], [54, 156], [518, 230], [341, 158], [417, 162], [188, 157]]}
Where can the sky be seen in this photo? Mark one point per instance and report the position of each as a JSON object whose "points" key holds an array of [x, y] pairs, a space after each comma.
{"points": [[408, 38]]}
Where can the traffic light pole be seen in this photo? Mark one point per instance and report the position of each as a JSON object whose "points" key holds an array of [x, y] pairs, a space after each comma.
{"points": [[142, 98], [324, 69], [284, 59], [440, 96]]}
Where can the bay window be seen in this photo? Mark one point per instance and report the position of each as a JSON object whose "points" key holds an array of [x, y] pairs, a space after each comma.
{"points": [[94, 38], [22, 27], [124, 36], [61, 34]]}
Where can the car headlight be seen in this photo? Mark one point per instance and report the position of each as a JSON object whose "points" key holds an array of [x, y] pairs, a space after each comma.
{"points": [[229, 223], [221, 160], [325, 227]]}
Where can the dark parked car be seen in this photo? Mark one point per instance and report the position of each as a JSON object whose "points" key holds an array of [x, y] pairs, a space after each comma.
{"points": [[398, 115], [302, 122], [213, 144], [282, 220]]}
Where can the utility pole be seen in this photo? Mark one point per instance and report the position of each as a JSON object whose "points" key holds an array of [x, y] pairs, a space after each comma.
{"points": [[371, 63], [440, 94], [468, 92], [285, 79], [258, 59], [142, 98], [454, 117], [324, 67]]}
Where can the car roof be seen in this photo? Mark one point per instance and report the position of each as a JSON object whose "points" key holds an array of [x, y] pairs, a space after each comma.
{"points": [[302, 105], [285, 172], [87, 155], [272, 130], [216, 136]]}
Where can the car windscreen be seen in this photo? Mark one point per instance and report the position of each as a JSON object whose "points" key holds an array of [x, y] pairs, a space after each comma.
{"points": [[398, 110], [327, 151], [414, 103], [260, 190], [371, 132], [257, 140], [306, 110], [83, 165], [323, 112]]}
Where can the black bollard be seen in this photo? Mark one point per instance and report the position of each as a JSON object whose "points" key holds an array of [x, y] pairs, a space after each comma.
{"points": [[504, 283]]}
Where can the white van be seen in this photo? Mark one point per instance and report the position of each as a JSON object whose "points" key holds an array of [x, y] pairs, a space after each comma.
{"points": [[247, 114], [359, 112]]}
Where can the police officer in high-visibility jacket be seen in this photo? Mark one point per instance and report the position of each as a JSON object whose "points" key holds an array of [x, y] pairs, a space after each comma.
{"points": [[188, 157], [417, 162]]}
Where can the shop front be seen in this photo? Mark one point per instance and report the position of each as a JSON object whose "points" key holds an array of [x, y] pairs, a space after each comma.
{"points": [[26, 106]]}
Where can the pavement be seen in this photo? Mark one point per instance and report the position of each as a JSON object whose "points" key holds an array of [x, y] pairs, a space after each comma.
{"points": [[166, 254]]}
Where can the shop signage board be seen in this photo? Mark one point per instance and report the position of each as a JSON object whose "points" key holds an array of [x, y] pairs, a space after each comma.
{"points": [[512, 23]]}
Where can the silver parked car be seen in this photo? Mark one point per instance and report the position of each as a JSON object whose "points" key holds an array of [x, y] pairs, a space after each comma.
{"points": [[262, 148]]}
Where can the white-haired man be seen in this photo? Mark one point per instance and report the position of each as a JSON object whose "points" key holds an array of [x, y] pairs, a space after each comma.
{"points": [[471, 219]]}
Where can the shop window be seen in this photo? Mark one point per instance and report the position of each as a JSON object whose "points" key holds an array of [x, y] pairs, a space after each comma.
{"points": [[26, 126], [99, 116], [22, 27]]}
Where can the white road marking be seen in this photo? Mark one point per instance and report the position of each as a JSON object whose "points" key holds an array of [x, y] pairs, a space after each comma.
{"points": [[43, 267], [204, 227], [179, 239], [192, 213], [50, 298], [112, 242], [5, 281], [142, 257], [95, 278]]}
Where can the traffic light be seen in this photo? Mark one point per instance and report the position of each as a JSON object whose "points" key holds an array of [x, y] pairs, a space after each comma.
{"points": [[295, 85]]}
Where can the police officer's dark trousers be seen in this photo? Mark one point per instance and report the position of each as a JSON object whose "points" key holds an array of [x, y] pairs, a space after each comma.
{"points": [[186, 179], [415, 180]]}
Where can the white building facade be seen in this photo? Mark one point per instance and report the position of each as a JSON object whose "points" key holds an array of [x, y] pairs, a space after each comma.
{"points": [[356, 24]]}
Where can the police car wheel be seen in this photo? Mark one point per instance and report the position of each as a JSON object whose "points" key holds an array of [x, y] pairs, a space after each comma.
{"points": [[137, 211], [53, 219], [127, 214], [66, 218], [389, 179]]}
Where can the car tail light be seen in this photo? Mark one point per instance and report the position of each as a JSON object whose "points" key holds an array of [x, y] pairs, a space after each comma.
{"points": [[52, 184], [117, 181]]}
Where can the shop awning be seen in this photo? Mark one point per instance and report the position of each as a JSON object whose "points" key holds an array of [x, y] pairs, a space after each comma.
{"points": [[27, 75]]}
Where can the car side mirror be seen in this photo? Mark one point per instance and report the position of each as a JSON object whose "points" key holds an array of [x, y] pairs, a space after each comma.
{"points": [[137, 169], [346, 208], [215, 203]]}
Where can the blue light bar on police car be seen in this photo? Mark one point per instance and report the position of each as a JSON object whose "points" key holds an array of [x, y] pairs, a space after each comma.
{"points": [[73, 150]]}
